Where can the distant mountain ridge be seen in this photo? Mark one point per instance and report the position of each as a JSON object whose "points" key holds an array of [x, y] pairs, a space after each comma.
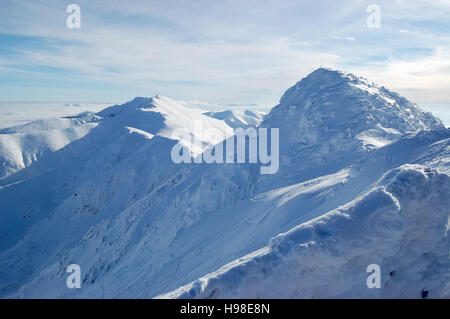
{"points": [[236, 119]]}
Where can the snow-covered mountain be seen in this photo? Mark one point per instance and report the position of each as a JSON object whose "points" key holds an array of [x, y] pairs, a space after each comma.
{"points": [[20, 113], [21, 146], [331, 119], [238, 118], [399, 225], [363, 178]]}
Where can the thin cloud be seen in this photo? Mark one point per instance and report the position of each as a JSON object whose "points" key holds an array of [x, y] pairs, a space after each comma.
{"points": [[248, 51]]}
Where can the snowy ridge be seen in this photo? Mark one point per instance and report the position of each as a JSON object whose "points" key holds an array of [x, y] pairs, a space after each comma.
{"points": [[331, 114], [21, 146], [330, 104], [236, 118], [122, 166], [140, 225], [401, 225], [17, 114], [166, 116]]}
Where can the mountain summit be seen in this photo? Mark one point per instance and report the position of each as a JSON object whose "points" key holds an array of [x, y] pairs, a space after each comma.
{"points": [[332, 114], [327, 103]]}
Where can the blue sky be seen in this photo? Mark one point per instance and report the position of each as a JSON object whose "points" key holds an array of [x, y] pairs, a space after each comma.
{"points": [[222, 51]]}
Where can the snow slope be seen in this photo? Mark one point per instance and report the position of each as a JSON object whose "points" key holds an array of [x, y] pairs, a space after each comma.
{"points": [[21, 146], [122, 159], [236, 118], [402, 225], [20, 113], [141, 226]]}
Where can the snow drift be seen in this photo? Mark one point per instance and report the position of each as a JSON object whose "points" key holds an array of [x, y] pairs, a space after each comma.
{"points": [[402, 225]]}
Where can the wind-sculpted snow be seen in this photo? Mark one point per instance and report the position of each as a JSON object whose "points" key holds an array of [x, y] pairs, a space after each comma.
{"points": [[333, 115], [140, 225], [169, 247], [401, 225]]}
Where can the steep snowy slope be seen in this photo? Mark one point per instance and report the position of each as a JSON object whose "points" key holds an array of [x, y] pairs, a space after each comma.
{"points": [[402, 225], [140, 225], [236, 118], [172, 249], [125, 157]]}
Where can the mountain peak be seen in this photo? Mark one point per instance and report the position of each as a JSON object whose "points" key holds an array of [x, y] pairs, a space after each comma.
{"points": [[319, 80], [327, 71], [141, 102], [329, 104]]}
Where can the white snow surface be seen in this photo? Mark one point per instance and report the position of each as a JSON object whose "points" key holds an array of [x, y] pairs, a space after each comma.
{"points": [[364, 178], [238, 118], [399, 225], [20, 113], [21, 146]]}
